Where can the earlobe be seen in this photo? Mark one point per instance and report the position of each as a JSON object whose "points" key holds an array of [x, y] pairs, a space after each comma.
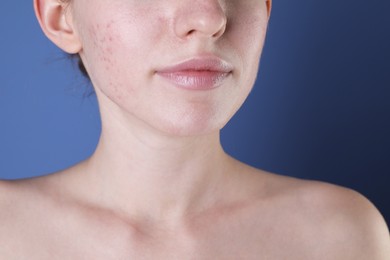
{"points": [[52, 17]]}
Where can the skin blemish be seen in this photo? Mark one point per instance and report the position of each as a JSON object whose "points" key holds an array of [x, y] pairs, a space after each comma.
{"points": [[109, 24]]}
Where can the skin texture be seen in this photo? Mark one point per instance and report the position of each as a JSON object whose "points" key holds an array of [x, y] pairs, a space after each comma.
{"points": [[159, 185]]}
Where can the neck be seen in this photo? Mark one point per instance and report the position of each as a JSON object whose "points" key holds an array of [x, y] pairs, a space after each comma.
{"points": [[154, 176]]}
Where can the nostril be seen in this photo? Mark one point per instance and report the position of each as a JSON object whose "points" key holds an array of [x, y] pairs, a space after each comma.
{"points": [[191, 32]]}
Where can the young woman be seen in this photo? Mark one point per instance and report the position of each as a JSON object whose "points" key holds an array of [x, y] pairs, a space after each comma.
{"points": [[168, 75]]}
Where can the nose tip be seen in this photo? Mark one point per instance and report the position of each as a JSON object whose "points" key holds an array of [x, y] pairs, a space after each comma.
{"points": [[205, 17]]}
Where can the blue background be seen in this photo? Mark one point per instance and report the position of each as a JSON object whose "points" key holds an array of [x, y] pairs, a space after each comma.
{"points": [[320, 108]]}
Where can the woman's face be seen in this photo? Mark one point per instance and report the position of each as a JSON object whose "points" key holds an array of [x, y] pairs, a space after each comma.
{"points": [[183, 67]]}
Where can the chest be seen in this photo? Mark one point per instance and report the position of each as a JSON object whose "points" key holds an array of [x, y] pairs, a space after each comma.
{"points": [[94, 236], [83, 250], [67, 242]]}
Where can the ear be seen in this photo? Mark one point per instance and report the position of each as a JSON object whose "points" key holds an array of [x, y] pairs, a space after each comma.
{"points": [[57, 24]]}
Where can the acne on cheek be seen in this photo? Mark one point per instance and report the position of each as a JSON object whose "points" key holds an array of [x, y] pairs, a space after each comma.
{"points": [[103, 40], [103, 45]]}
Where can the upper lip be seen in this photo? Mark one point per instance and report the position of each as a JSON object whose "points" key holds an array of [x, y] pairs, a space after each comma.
{"points": [[199, 64]]}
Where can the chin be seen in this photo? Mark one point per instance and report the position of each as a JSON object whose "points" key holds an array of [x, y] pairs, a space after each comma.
{"points": [[191, 126], [187, 119]]}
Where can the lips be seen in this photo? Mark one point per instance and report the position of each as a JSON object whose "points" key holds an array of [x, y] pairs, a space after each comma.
{"points": [[197, 74]]}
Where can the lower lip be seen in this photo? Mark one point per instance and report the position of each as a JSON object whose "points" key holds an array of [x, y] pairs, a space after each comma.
{"points": [[195, 80]]}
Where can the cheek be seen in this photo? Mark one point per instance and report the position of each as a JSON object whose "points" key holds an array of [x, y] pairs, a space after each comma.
{"points": [[98, 50], [248, 27], [103, 45], [118, 48], [248, 39], [105, 53], [118, 54]]}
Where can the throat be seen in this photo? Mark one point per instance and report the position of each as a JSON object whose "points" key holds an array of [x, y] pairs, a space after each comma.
{"points": [[156, 186]]}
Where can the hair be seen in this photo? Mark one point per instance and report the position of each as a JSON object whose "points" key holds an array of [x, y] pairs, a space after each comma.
{"points": [[77, 59]]}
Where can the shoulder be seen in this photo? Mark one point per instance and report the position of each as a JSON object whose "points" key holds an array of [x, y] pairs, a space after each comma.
{"points": [[317, 220], [19, 200], [13, 194], [23, 214], [351, 220], [10, 191], [10, 214], [337, 221]]}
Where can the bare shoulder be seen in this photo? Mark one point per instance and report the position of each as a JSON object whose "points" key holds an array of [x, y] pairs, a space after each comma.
{"points": [[34, 189], [24, 194], [7, 197], [11, 192], [351, 223], [22, 200], [26, 211], [15, 195], [12, 214], [333, 220]]}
